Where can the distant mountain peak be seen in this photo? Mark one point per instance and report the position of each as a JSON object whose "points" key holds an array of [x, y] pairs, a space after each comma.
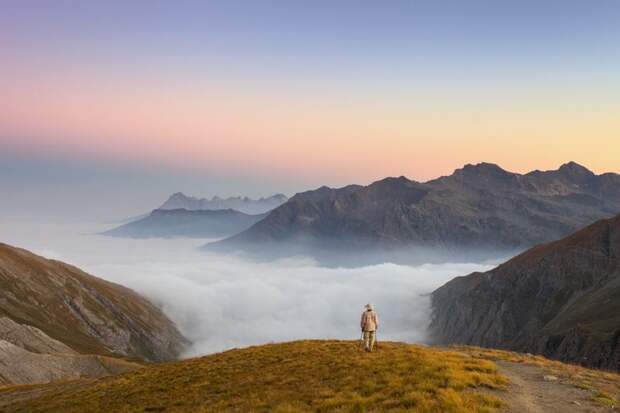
{"points": [[485, 167], [391, 180], [483, 172], [573, 168], [178, 195], [277, 196], [244, 204]]}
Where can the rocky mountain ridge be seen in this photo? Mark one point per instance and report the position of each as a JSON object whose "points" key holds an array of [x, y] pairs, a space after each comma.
{"points": [[242, 204], [558, 299], [478, 207]]}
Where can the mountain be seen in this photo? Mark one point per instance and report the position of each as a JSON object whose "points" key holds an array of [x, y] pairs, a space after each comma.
{"points": [[560, 299], [165, 223], [56, 321], [242, 204], [477, 208]]}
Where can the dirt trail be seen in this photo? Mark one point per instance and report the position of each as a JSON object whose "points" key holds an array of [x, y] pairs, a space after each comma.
{"points": [[529, 392]]}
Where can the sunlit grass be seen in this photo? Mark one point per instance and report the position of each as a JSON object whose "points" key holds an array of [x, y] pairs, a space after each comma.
{"points": [[602, 384], [303, 376]]}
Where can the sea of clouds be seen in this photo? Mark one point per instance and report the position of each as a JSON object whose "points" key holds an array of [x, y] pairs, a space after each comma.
{"points": [[221, 302]]}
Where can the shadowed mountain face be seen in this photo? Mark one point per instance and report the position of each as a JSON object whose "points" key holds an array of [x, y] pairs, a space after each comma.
{"points": [[559, 299], [478, 207], [183, 223], [59, 322], [242, 204]]}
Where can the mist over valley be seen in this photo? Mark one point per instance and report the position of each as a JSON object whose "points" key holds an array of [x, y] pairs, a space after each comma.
{"points": [[223, 301]]}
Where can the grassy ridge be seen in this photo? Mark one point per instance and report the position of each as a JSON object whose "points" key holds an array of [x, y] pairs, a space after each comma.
{"points": [[302, 376]]}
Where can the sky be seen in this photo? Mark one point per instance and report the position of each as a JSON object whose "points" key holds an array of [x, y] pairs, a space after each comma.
{"points": [[107, 107]]}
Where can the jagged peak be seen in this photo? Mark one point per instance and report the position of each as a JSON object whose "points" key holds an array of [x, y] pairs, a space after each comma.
{"points": [[484, 169], [574, 168], [277, 196], [394, 180], [485, 166]]}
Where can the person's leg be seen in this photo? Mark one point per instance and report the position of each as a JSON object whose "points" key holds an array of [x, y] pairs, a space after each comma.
{"points": [[371, 339], [367, 340]]}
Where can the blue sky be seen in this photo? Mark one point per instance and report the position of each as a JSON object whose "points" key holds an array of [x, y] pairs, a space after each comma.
{"points": [[136, 99]]}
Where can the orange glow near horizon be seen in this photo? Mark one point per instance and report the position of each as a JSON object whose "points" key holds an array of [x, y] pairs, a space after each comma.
{"points": [[337, 138]]}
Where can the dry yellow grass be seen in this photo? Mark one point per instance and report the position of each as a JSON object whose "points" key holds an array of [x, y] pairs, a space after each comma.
{"points": [[604, 385], [303, 376]]}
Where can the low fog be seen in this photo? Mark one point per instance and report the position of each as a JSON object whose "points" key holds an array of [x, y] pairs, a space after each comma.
{"points": [[220, 302]]}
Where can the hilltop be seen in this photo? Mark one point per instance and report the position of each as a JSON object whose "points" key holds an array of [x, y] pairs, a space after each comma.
{"points": [[479, 208], [331, 376]]}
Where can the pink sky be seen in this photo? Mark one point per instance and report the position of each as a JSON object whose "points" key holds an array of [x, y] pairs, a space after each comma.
{"points": [[298, 95], [337, 138]]}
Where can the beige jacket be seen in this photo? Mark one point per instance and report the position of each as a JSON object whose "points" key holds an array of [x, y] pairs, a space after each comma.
{"points": [[370, 321]]}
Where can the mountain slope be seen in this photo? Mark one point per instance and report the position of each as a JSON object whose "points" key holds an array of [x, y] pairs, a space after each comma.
{"points": [[48, 307], [307, 376], [559, 299], [478, 207], [242, 204], [183, 223]]}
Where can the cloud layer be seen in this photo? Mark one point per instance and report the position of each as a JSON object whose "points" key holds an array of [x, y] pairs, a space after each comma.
{"points": [[220, 302]]}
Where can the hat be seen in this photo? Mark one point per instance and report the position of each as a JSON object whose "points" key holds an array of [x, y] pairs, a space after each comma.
{"points": [[368, 306]]}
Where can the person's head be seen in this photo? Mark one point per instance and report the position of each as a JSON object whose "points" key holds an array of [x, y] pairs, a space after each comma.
{"points": [[369, 307]]}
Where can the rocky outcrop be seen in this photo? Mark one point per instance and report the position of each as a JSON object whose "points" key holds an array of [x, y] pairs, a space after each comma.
{"points": [[238, 203], [53, 307], [163, 223], [30, 338], [19, 366], [560, 299], [477, 208], [28, 355]]}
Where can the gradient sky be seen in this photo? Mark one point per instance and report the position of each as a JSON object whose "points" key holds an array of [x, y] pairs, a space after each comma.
{"points": [[132, 100]]}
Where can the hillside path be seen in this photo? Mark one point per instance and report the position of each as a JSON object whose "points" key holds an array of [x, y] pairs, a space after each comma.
{"points": [[529, 392]]}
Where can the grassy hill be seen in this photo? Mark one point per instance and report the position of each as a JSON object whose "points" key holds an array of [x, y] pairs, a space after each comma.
{"points": [[303, 376], [334, 376]]}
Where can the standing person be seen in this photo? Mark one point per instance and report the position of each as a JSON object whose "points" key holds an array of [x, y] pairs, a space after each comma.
{"points": [[369, 324]]}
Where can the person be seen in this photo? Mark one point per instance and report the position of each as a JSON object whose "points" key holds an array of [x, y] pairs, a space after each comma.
{"points": [[369, 324]]}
